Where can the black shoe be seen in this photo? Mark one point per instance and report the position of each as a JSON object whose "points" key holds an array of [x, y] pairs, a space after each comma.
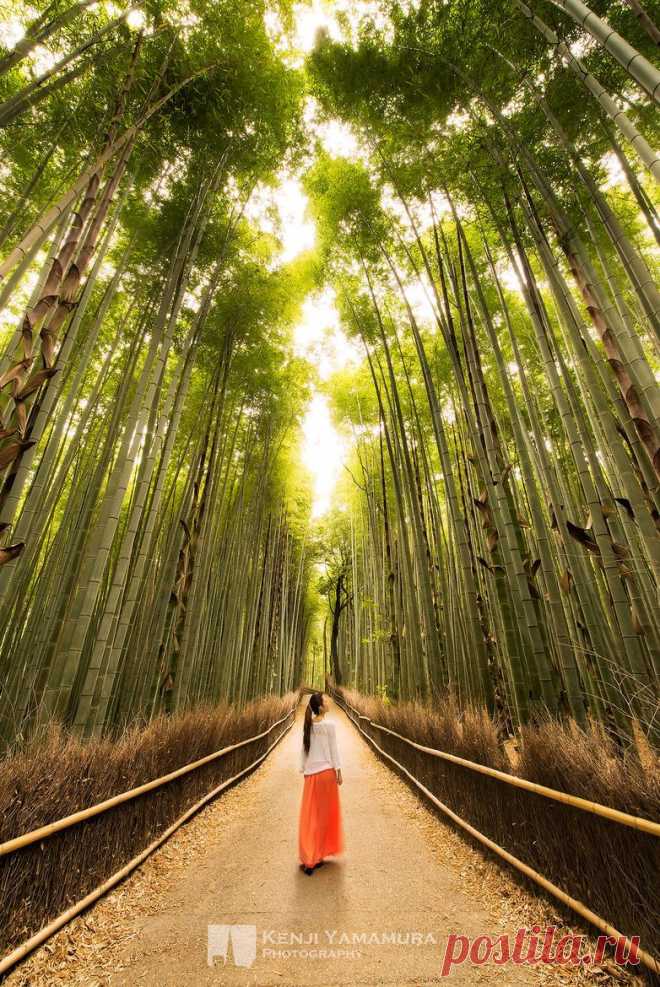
{"points": [[320, 864], [307, 870]]}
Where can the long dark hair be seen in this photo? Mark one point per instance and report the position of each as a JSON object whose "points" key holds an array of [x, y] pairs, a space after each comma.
{"points": [[313, 706]]}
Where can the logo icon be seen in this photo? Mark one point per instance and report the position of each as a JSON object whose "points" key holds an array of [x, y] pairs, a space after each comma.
{"points": [[243, 939]]}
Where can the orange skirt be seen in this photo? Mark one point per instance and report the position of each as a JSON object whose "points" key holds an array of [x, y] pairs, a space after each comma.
{"points": [[320, 828]]}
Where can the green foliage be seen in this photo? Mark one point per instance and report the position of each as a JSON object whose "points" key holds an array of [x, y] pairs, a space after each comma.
{"points": [[495, 283]]}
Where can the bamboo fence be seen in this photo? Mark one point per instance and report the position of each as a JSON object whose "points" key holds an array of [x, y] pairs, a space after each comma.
{"points": [[10, 846], [577, 906]]}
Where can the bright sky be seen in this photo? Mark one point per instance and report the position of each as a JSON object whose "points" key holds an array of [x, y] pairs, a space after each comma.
{"points": [[289, 203], [318, 337], [324, 452]]}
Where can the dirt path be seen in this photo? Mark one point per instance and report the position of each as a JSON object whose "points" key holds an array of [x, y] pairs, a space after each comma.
{"points": [[236, 863]]}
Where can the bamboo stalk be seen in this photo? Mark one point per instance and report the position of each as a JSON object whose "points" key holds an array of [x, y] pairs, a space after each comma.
{"points": [[638, 68], [52, 214]]}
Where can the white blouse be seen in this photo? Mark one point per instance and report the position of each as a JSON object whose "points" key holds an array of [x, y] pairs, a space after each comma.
{"points": [[323, 753]]}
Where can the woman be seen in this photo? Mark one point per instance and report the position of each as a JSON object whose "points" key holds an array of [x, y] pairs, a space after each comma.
{"points": [[320, 828]]}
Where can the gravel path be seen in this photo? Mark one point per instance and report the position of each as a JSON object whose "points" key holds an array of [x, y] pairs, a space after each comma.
{"points": [[402, 872]]}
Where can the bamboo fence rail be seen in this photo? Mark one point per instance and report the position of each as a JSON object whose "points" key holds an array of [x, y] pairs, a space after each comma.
{"points": [[9, 846], [635, 822]]}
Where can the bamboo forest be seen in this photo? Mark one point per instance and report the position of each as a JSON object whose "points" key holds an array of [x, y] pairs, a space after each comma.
{"points": [[329, 361]]}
